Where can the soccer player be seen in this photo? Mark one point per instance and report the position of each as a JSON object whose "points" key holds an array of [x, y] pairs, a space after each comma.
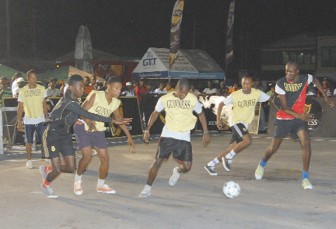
{"points": [[32, 101], [175, 137], [92, 135], [291, 118], [244, 102], [57, 137]]}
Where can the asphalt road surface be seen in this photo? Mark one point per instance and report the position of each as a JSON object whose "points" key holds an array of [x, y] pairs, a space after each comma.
{"points": [[197, 201]]}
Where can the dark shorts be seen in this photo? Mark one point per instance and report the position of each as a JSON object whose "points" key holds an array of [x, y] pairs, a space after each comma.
{"points": [[56, 142], [182, 150], [30, 130], [89, 139], [289, 127], [238, 131]]}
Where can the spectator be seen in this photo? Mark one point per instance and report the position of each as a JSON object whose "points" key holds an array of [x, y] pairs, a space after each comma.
{"points": [[15, 83], [94, 82], [140, 90], [160, 89], [271, 92], [169, 87], [223, 90], [5, 90], [193, 90], [20, 84], [87, 86], [52, 91], [327, 88], [128, 91], [234, 88], [210, 90]]}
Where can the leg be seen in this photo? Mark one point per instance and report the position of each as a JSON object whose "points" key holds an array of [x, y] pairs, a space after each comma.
{"points": [[184, 167], [104, 163], [153, 171], [306, 148], [84, 161], [275, 144]]}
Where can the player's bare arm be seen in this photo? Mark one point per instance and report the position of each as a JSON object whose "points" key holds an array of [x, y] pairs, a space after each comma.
{"points": [[304, 116], [154, 116], [117, 116]]}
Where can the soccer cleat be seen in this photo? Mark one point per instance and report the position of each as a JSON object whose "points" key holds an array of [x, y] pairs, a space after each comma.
{"points": [[48, 191], [259, 172], [29, 164], [78, 188], [210, 170], [226, 164], [146, 192], [174, 178], [105, 189], [306, 184]]}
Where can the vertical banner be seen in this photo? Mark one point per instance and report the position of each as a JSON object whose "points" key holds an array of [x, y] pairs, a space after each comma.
{"points": [[175, 30], [229, 35]]}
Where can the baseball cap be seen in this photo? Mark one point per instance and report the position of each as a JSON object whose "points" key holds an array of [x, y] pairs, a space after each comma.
{"points": [[128, 84], [20, 80]]}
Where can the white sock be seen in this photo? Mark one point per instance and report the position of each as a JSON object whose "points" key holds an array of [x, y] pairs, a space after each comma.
{"points": [[100, 182], [78, 178], [214, 162], [148, 186], [230, 155]]}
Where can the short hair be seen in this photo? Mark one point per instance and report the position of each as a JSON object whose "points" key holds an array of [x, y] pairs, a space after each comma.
{"points": [[17, 75], [3, 78], [113, 79], [293, 63], [32, 71], [183, 84], [246, 76], [52, 80], [74, 79]]}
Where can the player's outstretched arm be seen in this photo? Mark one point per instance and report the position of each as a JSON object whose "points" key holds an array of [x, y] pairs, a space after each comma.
{"points": [[154, 116], [203, 121], [117, 116]]}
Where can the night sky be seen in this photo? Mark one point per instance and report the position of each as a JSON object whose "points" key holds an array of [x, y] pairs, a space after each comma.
{"points": [[129, 27]]}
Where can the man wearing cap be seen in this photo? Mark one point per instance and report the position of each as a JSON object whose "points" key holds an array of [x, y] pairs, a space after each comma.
{"points": [[128, 91], [17, 79], [52, 91]]}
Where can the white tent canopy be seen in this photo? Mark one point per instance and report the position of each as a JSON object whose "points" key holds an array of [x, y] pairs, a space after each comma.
{"points": [[193, 64]]}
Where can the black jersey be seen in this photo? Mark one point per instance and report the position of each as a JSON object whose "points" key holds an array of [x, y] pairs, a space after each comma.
{"points": [[67, 111]]}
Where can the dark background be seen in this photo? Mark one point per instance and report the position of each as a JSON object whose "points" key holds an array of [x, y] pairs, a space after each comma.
{"points": [[47, 29]]}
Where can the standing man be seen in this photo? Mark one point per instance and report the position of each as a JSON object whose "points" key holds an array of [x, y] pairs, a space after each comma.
{"points": [[52, 91], [244, 102], [5, 90], [291, 118], [92, 135], [175, 137], [31, 100]]}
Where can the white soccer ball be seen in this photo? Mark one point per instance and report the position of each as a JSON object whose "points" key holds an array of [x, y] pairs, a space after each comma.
{"points": [[231, 189]]}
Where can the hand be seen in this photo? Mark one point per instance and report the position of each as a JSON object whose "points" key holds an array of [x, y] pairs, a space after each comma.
{"points": [[20, 127], [219, 124], [146, 136], [304, 116], [329, 101], [206, 137], [123, 121], [131, 146], [91, 125]]}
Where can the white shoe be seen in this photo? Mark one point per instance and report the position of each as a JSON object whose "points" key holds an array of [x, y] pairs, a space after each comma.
{"points": [[105, 189], [78, 190], [174, 178], [29, 164], [146, 191]]}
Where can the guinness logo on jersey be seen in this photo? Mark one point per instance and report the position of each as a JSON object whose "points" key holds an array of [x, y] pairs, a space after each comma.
{"points": [[292, 87], [247, 103], [314, 109]]}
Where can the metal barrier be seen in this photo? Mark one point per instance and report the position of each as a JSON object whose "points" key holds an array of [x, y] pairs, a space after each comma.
{"points": [[4, 123]]}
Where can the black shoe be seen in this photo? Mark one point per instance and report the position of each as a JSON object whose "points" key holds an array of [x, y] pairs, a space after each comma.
{"points": [[226, 164], [210, 170]]}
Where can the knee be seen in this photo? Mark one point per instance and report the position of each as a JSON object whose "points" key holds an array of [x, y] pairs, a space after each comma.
{"points": [[248, 141]]}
